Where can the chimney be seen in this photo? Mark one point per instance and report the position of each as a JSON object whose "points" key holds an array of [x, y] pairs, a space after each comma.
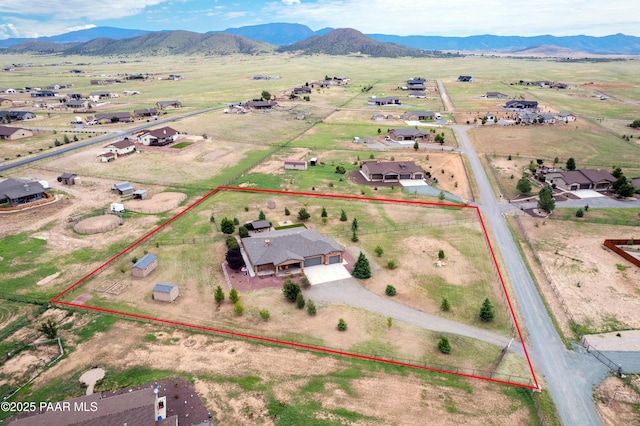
{"points": [[267, 243]]}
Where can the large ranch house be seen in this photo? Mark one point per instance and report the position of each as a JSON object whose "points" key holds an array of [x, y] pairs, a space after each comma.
{"points": [[289, 251], [391, 171], [17, 192], [407, 135], [13, 133], [158, 137]]}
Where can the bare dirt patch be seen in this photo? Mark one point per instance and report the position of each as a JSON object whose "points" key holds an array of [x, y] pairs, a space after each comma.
{"points": [[162, 202], [400, 399], [616, 402], [600, 294]]}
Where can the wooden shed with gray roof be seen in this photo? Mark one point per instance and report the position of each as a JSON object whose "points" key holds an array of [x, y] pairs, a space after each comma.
{"points": [[290, 251], [144, 266], [165, 292]]}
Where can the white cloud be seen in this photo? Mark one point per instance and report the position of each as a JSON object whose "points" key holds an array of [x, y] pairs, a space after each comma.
{"points": [[77, 9], [290, 2], [461, 17]]}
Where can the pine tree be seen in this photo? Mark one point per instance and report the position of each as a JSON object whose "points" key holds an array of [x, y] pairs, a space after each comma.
{"points": [[300, 301], [227, 226], [342, 325], [571, 164], [49, 328], [218, 295], [233, 295], [523, 186], [261, 215], [324, 212], [286, 212], [343, 216], [378, 251], [303, 214], [354, 224], [445, 305], [444, 345], [545, 199], [311, 308], [486, 311], [361, 268]]}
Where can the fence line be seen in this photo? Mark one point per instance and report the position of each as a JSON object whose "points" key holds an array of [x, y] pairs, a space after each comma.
{"points": [[616, 368], [601, 221]]}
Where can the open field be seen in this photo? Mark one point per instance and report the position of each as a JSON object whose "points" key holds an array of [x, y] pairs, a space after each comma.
{"points": [[598, 286], [247, 381]]}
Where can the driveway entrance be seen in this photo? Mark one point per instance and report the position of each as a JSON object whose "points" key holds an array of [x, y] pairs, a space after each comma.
{"points": [[326, 273]]}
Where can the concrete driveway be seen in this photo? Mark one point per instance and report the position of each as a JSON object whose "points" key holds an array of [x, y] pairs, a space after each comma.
{"points": [[326, 273]]}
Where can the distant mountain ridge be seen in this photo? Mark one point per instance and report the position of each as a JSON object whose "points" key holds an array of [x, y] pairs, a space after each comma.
{"points": [[284, 34]]}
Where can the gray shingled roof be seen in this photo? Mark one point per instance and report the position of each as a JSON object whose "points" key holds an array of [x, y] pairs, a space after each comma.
{"points": [[16, 188], [287, 244]]}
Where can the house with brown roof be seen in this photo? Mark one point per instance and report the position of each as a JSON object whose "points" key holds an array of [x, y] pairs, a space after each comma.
{"points": [[122, 147], [418, 115], [391, 171], [516, 104], [147, 112], [100, 96], [290, 251], [13, 133], [574, 180], [407, 135], [417, 95], [107, 157], [159, 137], [495, 95], [260, 104]]}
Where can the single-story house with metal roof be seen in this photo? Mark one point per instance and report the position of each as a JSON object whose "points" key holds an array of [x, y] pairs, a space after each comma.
{"points": [[144, 266], [295, 165], [123, 188], [169, 104], [165, 292], [290, 251], [391, 171], [387, 100]]}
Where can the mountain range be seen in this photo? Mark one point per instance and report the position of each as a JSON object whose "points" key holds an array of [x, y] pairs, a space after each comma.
{"points": [[296, 37]]}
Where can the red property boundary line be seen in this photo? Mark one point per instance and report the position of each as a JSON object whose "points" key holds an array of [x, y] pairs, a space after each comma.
{"points": [[56, 300]]}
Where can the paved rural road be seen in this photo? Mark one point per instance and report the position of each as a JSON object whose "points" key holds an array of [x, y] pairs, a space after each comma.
{"points": [[350, 292], [77, 145], [569, 375]]}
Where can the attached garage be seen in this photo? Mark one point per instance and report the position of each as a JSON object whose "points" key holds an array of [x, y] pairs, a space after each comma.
{"points": [[313, 261], [334, 259]]}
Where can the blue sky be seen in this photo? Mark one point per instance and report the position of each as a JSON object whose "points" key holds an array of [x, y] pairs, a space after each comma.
{"points": [[34, 18]]}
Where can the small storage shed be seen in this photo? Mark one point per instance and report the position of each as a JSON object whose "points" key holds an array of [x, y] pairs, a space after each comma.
{"points": [[67, 178], [140, 194], [313, 161], [144, 266], [165, 292], [295, 165], [271, 204], [123, 188]]}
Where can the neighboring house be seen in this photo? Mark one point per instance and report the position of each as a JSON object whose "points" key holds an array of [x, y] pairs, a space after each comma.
{"points": [[465, 79], [415, 80], [168, 104], [530, 105], [165, 292], [290, 251], [100, 96], [10, 91], [535, 118], [144, 266], [295, 165], [387, 100], [141, 407], [416, 86], [302, 90], [418, 115], [74, 95], [635, 182], [594, 179], [13, 133], [4, 102], [103, 82], [114, 117], [174, 77], [559, 85], [122, 188], [67, 178], [260, 104], [79, 104], [147, 112], [44, 94], [566, 117], [391, 171], [409, 134], [16, 192], [417, 95], [495, 95], [378, 116], [122, 147], [16, 115], [107, 157], [159, 137]]}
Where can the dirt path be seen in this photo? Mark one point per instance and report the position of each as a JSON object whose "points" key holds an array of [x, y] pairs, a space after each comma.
{"points": [[350, 292]]}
